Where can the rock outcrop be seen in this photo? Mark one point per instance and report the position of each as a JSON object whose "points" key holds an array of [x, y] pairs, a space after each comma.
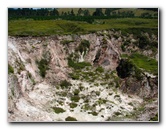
{"points": [[105, 96]]}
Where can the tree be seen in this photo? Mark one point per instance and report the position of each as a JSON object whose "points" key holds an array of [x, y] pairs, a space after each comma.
{"points": [[124, 68], [72, 13], [80, 12], [98, 12], [86, 13], [107, 11]]}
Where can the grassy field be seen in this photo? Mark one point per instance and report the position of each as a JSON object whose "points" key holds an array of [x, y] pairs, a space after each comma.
{"points": [[30, 27], [141, 61]]}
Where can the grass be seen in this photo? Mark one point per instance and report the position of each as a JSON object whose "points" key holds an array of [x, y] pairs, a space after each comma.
{"points": [[52, 27], [143, 62], [148, 64]]}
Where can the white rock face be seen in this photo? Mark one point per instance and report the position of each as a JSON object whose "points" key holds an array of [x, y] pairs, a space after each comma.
{"points": [[34, 99]]}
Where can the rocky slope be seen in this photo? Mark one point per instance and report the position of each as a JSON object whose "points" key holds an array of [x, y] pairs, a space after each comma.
{"points": [[74, 77]]}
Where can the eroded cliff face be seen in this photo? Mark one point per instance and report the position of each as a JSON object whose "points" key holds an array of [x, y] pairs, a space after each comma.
{"points": [[35, 94]]}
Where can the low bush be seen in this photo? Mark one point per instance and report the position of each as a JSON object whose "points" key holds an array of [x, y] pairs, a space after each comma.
{"points": [[100, 69], [84, 45], [10, 69], [43, 66], [65, 84], [78, 65], [58, 110], [75, 98], [76, 92], [69, 118], [94, 113], [74, 76], [73, 105]]}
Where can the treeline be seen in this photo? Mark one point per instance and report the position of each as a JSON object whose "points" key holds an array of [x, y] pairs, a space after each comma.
{"points": [[151, 9], [80, 15]]}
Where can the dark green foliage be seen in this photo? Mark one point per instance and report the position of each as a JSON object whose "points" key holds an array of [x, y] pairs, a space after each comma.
{"points": [[79, 65], [58, 110], [117, 113], [100, 69], [94, 113], [73, 105], [76, 92], [123, 48], [143, 42], [69, 118], [10, 69], [98, 12], [84, 45], [43, 66], [138, 73], [74, 76], [101, 101], [155, 118], [75, 98], [65, 84], [124, 68]]}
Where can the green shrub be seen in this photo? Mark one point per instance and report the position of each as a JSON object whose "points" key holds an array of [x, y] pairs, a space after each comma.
{"points": [[73, 105], [74, 76], [84, 45], [155, 118], [94, 113], [65, 84], [124, 68], [86, 107], [97, 93], [76, 92], [69, 118], [10, 69], [100, 69], [117, 113], [58, 110], [75, 98], [43, 66], [79, 65], [101, 101], [123, 48]]}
